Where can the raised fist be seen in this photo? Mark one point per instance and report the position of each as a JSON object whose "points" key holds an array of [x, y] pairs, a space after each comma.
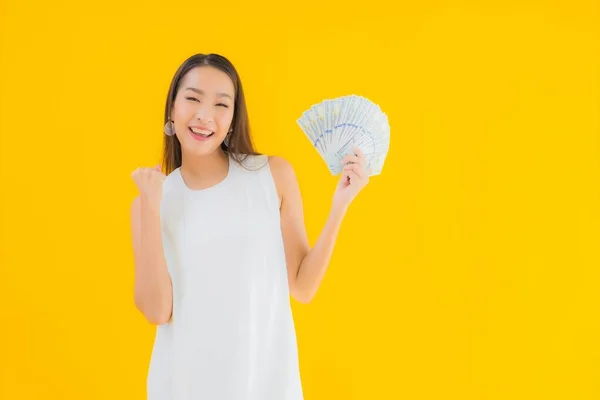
{"points": [[149, 182]]}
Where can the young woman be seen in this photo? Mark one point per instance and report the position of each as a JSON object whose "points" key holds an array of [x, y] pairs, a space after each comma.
{"points": [[220, 246]]}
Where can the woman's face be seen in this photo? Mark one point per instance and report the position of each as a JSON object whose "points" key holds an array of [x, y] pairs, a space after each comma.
{"points": [[203, 110]]}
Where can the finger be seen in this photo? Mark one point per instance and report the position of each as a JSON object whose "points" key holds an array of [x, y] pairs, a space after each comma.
{"points": [[361, 155], [357, 168], [354, 178], [358, 152], [350, 158], [345, 177], [360, 171]]}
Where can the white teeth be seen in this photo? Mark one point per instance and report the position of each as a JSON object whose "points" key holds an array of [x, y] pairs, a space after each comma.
{"points": [[201, 132]]}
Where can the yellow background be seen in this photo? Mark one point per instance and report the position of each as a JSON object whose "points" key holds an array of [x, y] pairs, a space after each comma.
{"points": [[468, 270]]}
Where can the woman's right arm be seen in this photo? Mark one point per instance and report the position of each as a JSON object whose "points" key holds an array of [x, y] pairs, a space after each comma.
{"points": [[153, 286]]}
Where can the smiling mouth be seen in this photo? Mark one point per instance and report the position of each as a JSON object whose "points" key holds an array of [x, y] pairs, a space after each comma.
{"points": [[201, 132]]}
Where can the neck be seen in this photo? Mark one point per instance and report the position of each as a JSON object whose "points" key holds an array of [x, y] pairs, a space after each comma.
{"points": [[200, 172]]}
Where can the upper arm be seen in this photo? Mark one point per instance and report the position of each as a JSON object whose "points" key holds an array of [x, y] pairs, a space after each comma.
{"points": [[292, 216]]}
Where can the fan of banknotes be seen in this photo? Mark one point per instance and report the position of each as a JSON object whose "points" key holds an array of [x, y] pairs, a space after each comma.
{"points": [[335, 126]]}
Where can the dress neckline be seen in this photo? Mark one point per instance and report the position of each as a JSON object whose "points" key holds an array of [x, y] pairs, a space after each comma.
{"points": [[217, 185]]}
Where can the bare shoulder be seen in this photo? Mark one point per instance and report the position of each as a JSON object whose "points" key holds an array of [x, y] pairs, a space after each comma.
{"points": [[281, 166], [284, 176]]}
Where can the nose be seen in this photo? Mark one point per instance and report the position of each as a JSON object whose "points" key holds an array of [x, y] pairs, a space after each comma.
{"points": [[204, 113]]}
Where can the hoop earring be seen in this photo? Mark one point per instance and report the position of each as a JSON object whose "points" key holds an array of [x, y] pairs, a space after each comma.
{"points": [[169, 129], [227, 137]]}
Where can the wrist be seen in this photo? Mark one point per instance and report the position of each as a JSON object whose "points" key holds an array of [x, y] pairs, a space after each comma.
{"points": [[151, 203], [339, 209]]}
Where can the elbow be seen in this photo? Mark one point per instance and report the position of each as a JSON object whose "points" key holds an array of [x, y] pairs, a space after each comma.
{"points": [[303, 299], [154, 315], [161, 318], [303, 296]]}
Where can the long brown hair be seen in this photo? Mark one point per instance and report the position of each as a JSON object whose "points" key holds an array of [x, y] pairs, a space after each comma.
{"points": [[240, 140]]}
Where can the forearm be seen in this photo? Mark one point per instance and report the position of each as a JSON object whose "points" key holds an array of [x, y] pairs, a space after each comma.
{"points": [[153, 287], [314, 265]]}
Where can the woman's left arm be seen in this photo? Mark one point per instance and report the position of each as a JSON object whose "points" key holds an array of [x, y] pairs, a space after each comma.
{"points": [[306, 266]]}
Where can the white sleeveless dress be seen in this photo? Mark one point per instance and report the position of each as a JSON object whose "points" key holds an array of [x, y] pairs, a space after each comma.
{"points": [[232, 335]]}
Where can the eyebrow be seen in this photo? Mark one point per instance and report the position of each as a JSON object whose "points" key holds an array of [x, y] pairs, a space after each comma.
{"points": [[202, 92]]}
